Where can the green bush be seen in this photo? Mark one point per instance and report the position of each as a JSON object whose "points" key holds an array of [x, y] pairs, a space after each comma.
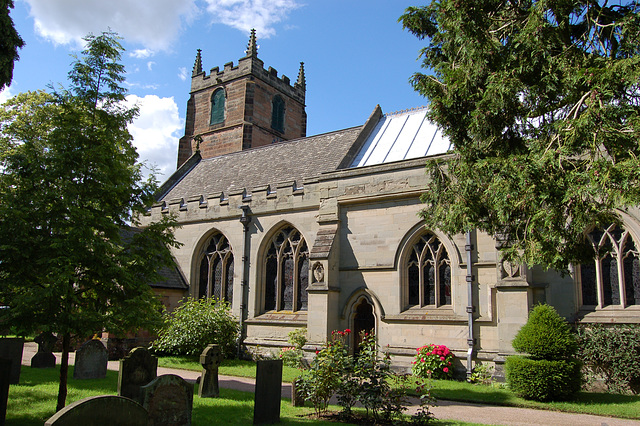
{"points": [[543, 380], [612, 353], [293, 356], [432, 361], [545, 335], [195, 324], [551, 371]]}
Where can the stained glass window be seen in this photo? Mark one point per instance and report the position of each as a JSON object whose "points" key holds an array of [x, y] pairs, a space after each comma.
{"points": [[613, 279], [428, 273], [286, 272], [216, 270]]}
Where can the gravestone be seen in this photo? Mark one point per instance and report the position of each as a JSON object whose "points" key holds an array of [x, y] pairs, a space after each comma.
{"points": [[297, 397], [169, 400], [137, 369], [91, 361], [5, 373], [44, 358], [11, 348], [266, 407], [102, 410], [210, 359]]}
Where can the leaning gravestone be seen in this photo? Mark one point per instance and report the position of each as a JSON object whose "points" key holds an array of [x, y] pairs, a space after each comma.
{"points": [[266, 407], [44, 358], [5, 373], [91, 361], [102, 410], [210, 359], [11, 348], [137, 369], [169, 401]]}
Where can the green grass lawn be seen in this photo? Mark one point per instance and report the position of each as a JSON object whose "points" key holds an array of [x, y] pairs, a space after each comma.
{"points": [[603, 404]]}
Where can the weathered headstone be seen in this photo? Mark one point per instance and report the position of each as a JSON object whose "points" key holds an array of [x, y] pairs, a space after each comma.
{"points": [[44, 358], [297, 397], [102, 410], [266, 407], [91, 361], [137, 369], [5, 373], [169, 401], [210, 359], [11, 348]]}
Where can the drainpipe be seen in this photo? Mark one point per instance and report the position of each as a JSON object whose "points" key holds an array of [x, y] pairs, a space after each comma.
{"points": [[245, 220], [470, 307]]}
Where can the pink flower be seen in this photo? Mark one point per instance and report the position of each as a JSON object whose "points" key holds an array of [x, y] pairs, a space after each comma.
{"points": [[421, 359], [446, 370], [441, 358]]}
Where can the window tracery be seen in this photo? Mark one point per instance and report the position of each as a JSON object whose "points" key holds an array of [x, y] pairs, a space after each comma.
{"points": [[216, 270], [428, 271], [286, 271]]}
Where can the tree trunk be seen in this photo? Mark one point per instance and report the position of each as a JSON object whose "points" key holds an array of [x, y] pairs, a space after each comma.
{"points": [[64, 369]]}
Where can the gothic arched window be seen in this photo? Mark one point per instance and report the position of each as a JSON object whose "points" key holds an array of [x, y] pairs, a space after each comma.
{"points": [[216, 270], [277, 113], [217, 107], [428, 273], [614, 276], [286, 267]]}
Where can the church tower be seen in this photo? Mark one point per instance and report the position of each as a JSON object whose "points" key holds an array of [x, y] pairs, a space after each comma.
{"points": [[241, 107]]}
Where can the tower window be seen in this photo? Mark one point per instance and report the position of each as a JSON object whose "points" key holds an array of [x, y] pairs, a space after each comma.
{"points": [[216, 270], [217, 107], [428, 273], [277, 113], [286, 272], [613, 278]]}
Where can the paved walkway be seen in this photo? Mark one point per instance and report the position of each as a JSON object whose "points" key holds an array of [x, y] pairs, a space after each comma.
{"points": [[445, 410]]}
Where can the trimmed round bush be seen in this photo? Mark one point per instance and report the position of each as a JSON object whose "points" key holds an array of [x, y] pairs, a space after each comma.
{"points": [[551, 371], [196, 323], [546, 335], [543, 380]]}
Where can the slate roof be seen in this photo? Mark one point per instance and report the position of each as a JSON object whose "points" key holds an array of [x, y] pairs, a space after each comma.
{"points": [[268, 165], [172, 277]]}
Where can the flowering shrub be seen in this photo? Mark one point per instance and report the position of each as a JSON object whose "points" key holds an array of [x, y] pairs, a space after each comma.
{"points": [[433, 361], [293, 356]]}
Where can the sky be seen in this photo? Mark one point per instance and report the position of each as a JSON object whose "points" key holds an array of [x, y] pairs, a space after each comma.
{"points": [[355, 53]]}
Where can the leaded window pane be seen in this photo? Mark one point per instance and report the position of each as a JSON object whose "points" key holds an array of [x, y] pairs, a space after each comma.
{"points": [[204, 278], [414, 285], [303, 283], [228, 291], [216, 280], [588, 281], [270, 283], [430, 284], [445, 284], [287, 283]]}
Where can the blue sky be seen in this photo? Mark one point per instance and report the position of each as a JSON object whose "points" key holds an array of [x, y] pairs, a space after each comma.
{"points": [[355, 52]]}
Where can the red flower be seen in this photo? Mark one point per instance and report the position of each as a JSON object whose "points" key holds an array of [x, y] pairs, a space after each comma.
{"points": [[446, 370], [348, 330]]}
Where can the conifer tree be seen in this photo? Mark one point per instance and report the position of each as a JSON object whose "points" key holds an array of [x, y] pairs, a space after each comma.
{"points": [[541, 101], [71, 260], [10, 42]]}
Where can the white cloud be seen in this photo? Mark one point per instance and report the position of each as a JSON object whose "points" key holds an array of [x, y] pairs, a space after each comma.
{"points": [[153, 23], [156, 132], [182, 73], [142, 53], [150, 65], [247, 14], [6, 94]]}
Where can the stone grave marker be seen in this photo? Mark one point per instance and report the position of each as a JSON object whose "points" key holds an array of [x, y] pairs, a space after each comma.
{"points": [[91, 361], [137, 369], [102, 410], [266, 407], [11, 348], [5, 374], [169, 400], [44, 358], [210, 359]]}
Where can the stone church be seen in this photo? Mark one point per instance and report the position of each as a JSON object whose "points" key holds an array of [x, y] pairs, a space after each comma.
{"points": [[323, 233]]}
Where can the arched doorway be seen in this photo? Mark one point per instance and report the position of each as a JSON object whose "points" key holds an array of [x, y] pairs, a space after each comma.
{"points": [[363, 322]]}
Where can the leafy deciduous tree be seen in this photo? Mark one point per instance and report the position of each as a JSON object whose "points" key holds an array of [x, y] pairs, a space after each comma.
{"points": [[541, 101], [70, 186]]}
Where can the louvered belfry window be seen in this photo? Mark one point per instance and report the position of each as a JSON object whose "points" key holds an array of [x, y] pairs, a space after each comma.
{"points": [[428, 273], [217, 107], [277, 113], [216, 270], [286, 272], [613, 278]]}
